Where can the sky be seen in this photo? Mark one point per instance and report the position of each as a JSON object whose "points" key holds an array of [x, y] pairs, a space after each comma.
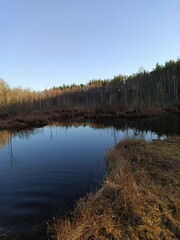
{"points": [[46, 43]]}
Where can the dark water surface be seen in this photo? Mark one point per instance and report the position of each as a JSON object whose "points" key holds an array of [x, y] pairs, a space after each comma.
{"points": [[44, 171]]}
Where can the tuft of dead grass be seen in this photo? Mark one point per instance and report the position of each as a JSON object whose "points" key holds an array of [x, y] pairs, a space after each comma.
{"points": [[139, 199]]}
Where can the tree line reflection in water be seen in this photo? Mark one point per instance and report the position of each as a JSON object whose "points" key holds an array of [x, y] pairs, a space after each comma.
{"points": [[165, 125]]}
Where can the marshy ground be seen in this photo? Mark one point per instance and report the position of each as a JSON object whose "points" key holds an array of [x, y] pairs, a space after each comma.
{"points": [[140, 198], [40, 119]]}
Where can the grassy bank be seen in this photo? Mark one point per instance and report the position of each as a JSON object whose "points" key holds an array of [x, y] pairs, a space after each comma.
{"points": [[40, 119], [139, 199]]}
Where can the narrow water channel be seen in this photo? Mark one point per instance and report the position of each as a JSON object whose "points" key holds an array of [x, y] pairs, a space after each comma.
{"points": [[44, 171]]}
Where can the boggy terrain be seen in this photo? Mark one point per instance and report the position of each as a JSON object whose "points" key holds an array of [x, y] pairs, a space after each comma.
{"points": [[138, 200], [40, 119]]}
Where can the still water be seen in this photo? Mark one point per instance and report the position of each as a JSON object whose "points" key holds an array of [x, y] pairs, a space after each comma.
{"points": [[44, 171]]}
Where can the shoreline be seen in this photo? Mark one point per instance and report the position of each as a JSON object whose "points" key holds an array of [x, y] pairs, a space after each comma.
{"points": [[141, 186], [138, 200], [41, 119]]}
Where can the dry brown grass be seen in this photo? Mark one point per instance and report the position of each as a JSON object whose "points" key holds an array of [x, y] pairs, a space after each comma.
{"points": [[139, 199], [40, 119]]}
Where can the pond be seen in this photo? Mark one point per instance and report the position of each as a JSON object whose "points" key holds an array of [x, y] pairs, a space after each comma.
{"points": [[44, 171]]}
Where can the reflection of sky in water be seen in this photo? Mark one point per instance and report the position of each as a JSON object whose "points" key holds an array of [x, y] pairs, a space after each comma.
{"points": [[40, 169], [78, 139], [146, 135]]}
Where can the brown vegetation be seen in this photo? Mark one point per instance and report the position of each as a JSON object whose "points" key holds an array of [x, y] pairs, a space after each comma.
{"points": [[139, 199], [40, 119]]}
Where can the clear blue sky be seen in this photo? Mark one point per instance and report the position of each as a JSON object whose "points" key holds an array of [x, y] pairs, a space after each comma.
{"points": [[45, 43]]}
